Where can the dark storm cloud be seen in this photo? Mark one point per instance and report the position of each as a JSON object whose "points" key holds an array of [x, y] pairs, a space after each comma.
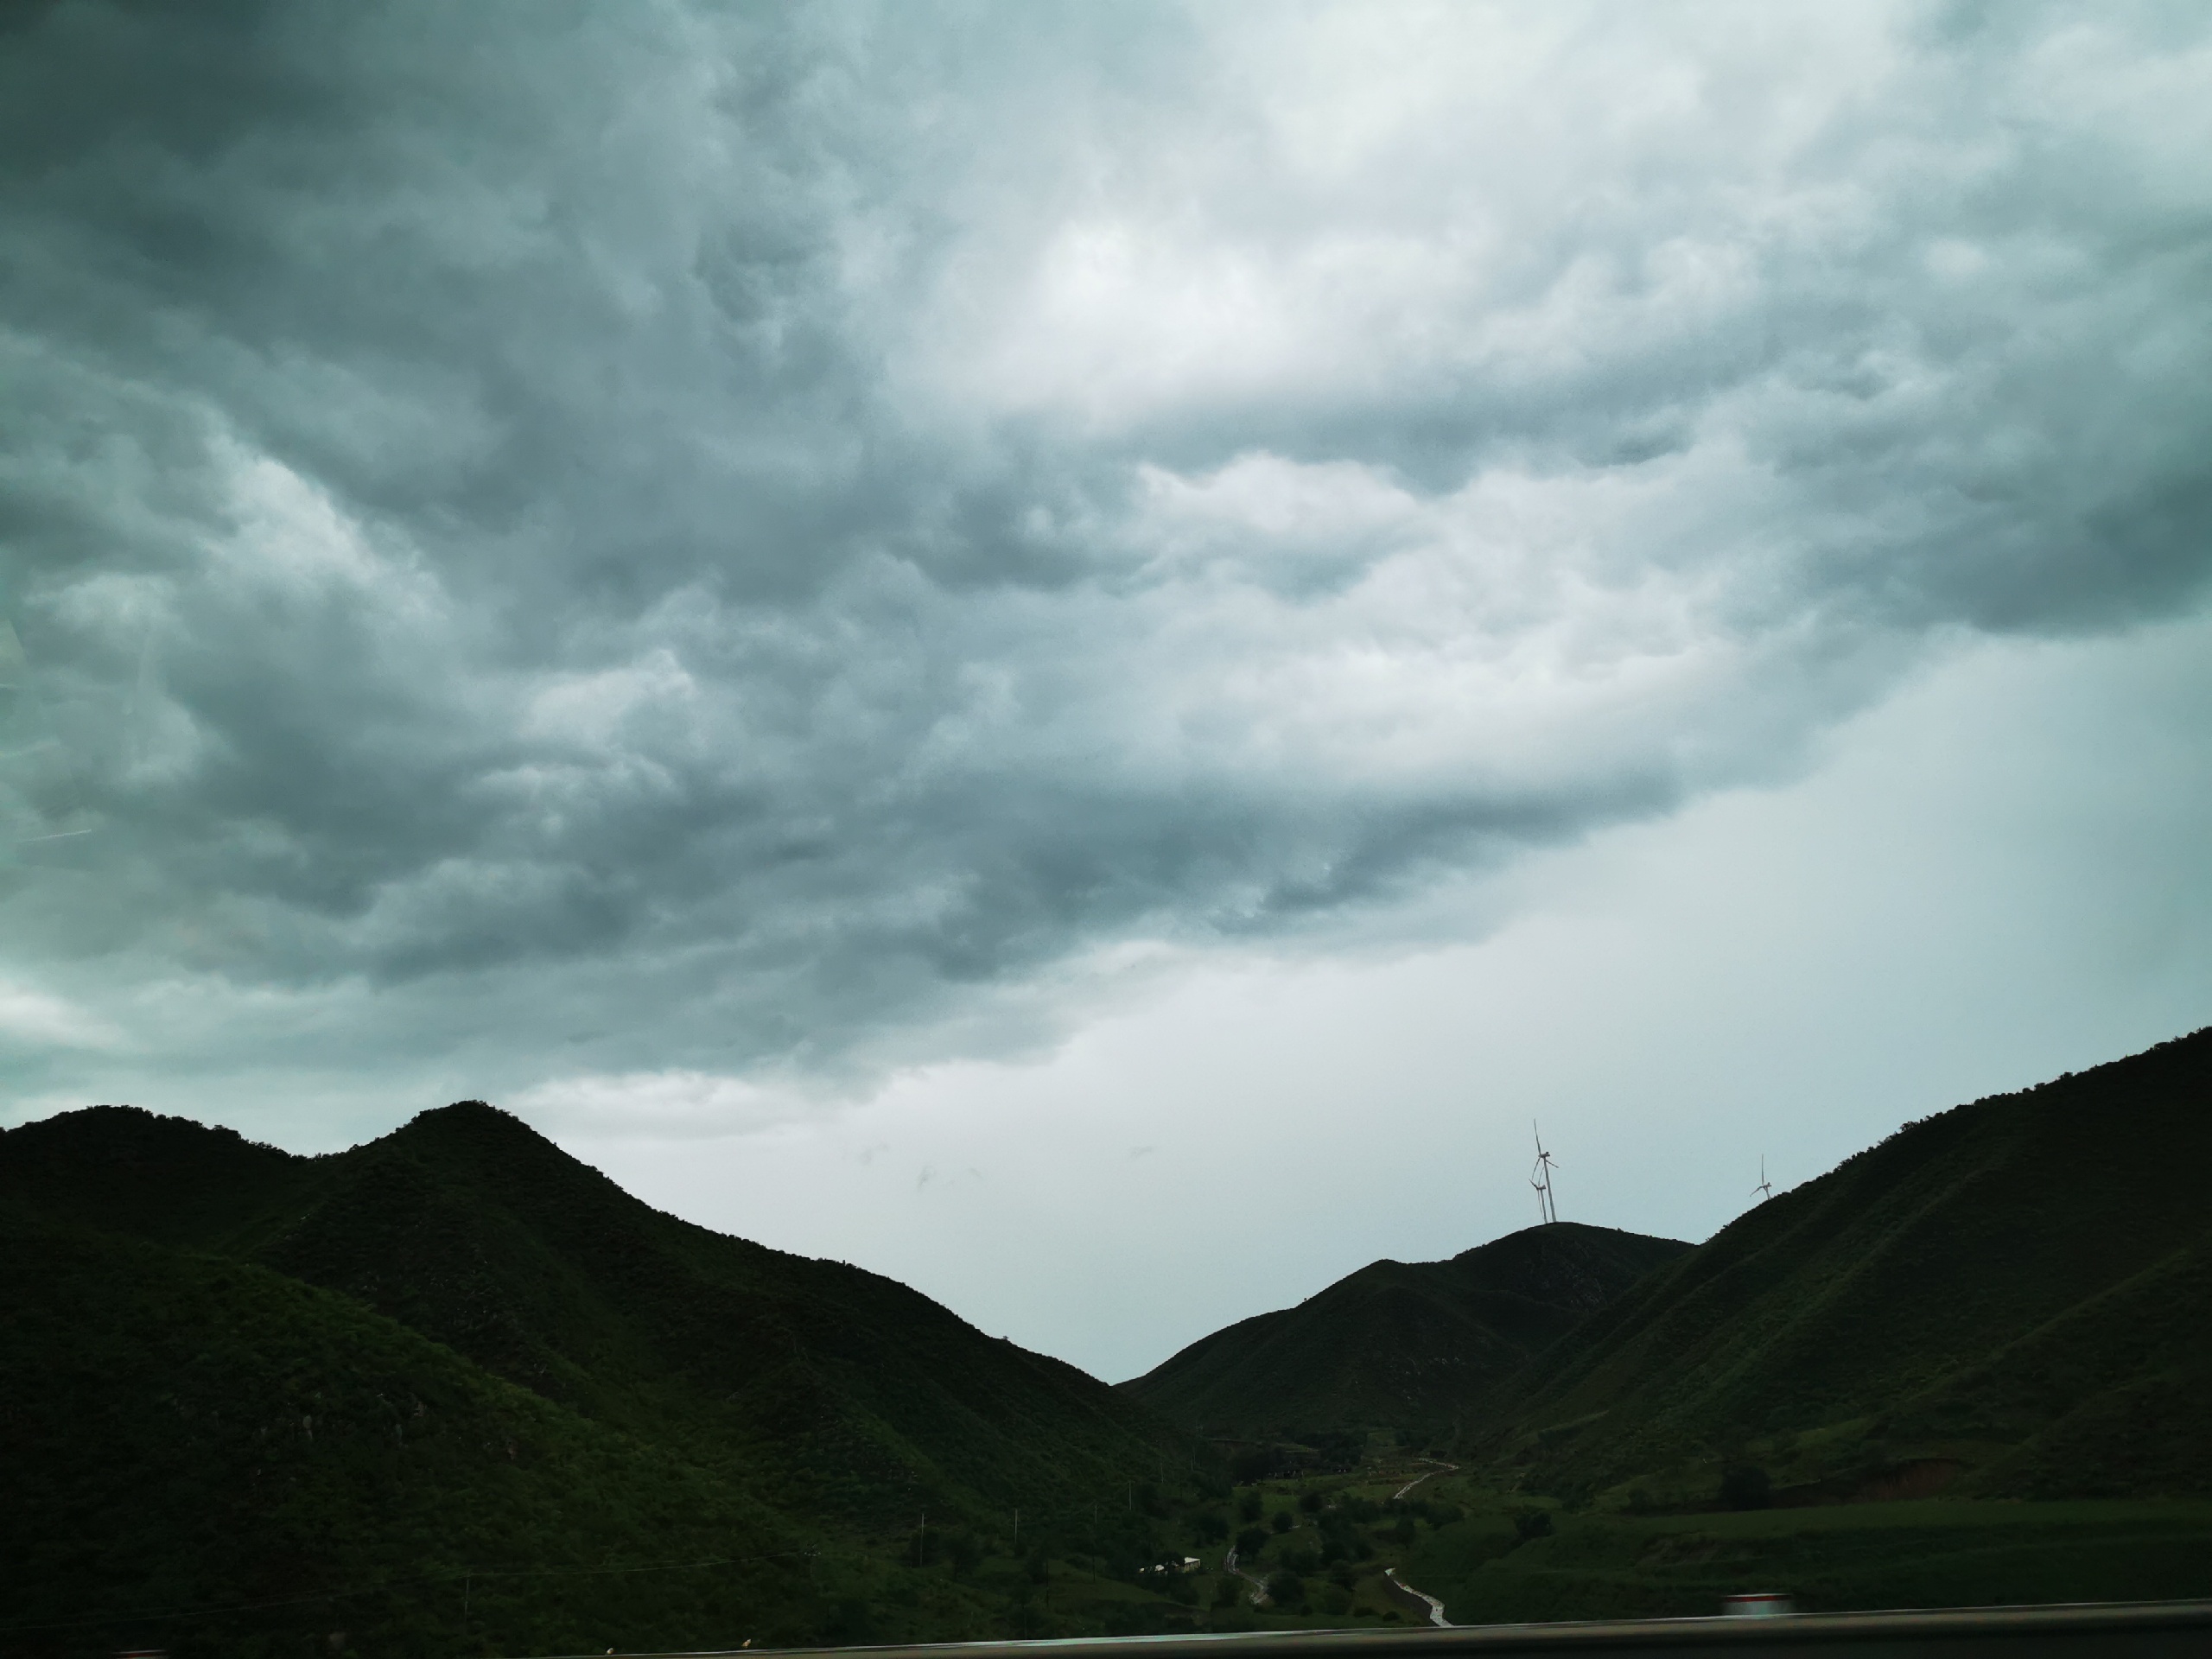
{"points": [[707, 533]]}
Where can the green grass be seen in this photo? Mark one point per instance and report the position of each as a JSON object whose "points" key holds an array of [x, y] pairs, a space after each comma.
{"points": [[1932, 1554], [1929, 1552]]}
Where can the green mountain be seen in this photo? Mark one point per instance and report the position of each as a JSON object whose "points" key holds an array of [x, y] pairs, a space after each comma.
{"points": [[237, 1377], [2011, 1297], [453, 1392], [1400, 1344], [205, 1455]]}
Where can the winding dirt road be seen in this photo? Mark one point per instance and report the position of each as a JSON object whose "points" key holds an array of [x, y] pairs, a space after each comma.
{"points": [[1259, 1588], [1435, 1608], [1442, 1468]]}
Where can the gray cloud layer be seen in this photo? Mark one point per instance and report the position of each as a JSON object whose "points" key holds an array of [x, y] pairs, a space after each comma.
{"points": [[600, 537]]}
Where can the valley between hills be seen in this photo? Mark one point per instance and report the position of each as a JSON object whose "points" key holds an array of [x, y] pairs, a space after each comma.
{"points": [[454, 1392]]}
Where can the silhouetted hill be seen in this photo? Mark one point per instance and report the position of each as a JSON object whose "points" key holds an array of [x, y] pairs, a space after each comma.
{"points": [[165, 1178], [467, 1226], [454, 1391], [1400, 1344], [595, 1379], [2016, 1291]]}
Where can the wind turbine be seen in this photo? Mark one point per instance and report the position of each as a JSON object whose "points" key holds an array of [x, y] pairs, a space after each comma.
{"points": [[1540, 1178], [1765, 1188]]}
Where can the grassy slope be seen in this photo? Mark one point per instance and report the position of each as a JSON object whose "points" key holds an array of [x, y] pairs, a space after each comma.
{"points": [[1456, 1538], [1968, 1289], [1399, 1343], [1928, 1553], [2107, 1399]]}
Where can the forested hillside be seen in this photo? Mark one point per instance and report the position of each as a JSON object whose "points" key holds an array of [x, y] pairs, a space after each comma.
{"points": [[452, 1391], [238, 1376], [1399, 1345], [2014, 1295]]}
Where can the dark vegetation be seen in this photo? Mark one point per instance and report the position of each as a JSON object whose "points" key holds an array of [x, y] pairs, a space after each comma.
{"points": [[2013, 1299], [454, 1393], [1402, 1346], [1931, 1552], [457, 1357]]}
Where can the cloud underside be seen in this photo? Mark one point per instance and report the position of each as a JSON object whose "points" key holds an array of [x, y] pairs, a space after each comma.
{"points": [[697, 536]]}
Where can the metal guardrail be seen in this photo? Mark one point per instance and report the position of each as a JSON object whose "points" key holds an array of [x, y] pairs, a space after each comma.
{"points": [[2156, 1630]]}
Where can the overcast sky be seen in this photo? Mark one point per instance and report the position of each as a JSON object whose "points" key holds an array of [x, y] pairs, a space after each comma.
{"points": [[1083, 652]]}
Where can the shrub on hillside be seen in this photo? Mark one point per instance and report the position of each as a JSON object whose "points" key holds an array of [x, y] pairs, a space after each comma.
{"points": [[1746, 1487], [964, 1554], [1254, 1463], [1532, 1524]]}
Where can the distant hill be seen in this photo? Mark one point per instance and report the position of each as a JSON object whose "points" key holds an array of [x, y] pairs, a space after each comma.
{"points": [[2015, 1295], [232, 1374], [1400, 1344]]}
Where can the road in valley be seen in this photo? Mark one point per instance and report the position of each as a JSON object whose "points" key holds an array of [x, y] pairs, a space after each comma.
{"points": [[1442, 1468], [1414, 1600], [1428, 1603], [1421, 1602], [1259, 1588]]}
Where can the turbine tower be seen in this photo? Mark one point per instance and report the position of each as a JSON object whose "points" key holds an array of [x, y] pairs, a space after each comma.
{"points": [[1540, 1178], [1765, 1188]]}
